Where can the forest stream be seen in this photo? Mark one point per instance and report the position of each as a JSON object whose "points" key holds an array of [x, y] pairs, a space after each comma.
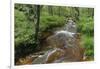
{"points": [[64, 45], [52, 34]]}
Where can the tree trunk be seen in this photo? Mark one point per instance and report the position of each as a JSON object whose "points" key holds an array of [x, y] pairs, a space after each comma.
{"points": [[37, 21], [77, 14], [59, 11], [50, 10]]}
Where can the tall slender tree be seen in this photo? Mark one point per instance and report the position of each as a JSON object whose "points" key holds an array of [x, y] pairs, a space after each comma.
{"points": [[50, 10], [37, 21], [59, 11], [77, 14]]}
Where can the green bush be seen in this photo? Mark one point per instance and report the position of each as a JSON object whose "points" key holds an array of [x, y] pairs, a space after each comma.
{"points": [[86, 25], [88, 43], [23, 28], [50, 22]]}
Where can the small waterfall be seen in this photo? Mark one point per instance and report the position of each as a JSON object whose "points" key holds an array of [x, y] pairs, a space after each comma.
{"points": [[67, 33], [65, 36], [64, 33], [70, 26]]}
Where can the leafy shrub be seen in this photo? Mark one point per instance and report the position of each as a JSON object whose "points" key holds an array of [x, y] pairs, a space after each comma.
{"points": [[50, 22], [23, 28], [86, 25], [88, 43]]}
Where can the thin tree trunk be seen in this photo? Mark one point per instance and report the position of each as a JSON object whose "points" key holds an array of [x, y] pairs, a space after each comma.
{"points": [[59, 11], [37, 21], [50, 10], [77, 15]]}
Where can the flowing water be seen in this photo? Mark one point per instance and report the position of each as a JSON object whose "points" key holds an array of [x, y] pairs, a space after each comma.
{"points": [[63, 39]]}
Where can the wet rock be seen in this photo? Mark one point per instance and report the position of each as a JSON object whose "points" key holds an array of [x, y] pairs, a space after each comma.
{"points": [[65, 47], [41, 58], [70, 43]]}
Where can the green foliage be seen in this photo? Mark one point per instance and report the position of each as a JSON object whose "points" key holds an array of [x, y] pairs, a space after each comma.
{"points": [[88, 43], [23, 29], [24, 35], [86, 25], [51, 22]]}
